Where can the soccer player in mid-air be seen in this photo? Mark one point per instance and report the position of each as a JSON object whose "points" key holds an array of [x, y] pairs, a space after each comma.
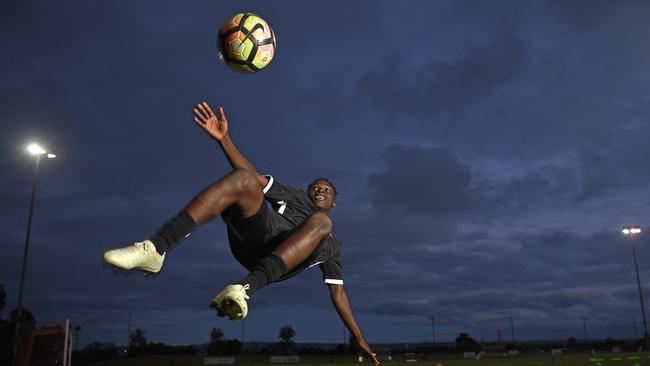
{"points": [[273, 242]]}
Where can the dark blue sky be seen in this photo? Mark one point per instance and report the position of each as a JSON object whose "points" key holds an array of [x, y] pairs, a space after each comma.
{"points": [[486, 156]]}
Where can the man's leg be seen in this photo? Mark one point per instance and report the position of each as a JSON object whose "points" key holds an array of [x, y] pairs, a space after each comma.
{"points": [[289, 254], [239, 190]]}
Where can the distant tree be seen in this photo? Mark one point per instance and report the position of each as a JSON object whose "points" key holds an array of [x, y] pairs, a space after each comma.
{"points": [[8, 331], [26, 316], [185, 350], [5, 332], [161, 349], [465, 343], [220, 346], [286, 335], [3, 297], [352, 345], [215, 347], [137, 343], [572, 342], [610, 343], [6, 341], [216, 335], [96, 352], [232, 347], [137, 338]]}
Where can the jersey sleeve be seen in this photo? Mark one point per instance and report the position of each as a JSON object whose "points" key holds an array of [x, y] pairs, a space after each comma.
{"points": [[276, 190], [269, 184], [280, 193], [332, 270]]}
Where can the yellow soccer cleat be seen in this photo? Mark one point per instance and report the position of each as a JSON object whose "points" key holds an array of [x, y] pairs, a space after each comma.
{"points": [[231, 301], [141, 255]]}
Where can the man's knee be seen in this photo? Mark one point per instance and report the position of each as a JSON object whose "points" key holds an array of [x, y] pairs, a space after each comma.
{"points": [[244, 181], [320, 222]]}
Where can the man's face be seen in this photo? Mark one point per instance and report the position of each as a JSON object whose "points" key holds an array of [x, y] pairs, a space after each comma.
{"points": [[322, 195]]}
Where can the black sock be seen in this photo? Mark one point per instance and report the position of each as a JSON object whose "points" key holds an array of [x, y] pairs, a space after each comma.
{"points": [[270, 269], [173, 232]]}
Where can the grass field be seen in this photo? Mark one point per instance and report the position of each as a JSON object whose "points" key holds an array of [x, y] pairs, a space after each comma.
{"points": [[540, 359]]}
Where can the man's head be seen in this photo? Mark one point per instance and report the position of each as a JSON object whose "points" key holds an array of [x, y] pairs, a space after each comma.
{"points": [[322, 193]]}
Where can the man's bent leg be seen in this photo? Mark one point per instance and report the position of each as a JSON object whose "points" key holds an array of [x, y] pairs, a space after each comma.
{"points": [[293, 251], [239, 189], [304, 240]]}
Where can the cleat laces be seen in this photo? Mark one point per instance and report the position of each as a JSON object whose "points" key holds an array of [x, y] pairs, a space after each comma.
{"points": [[246, 287]]}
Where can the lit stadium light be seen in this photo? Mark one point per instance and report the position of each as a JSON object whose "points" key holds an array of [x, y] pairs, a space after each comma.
{"points": [[36, 149], [631, 230]]}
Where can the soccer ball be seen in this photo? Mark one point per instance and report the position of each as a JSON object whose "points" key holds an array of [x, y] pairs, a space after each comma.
{"points": [[246, 43]]}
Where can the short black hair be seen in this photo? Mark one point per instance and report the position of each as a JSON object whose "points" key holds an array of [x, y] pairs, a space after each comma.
{"points": [[325, 180]]}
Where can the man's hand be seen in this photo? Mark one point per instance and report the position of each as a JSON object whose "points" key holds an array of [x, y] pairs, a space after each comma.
{"points": [[363, 345], [342, 305], [215, 126]]}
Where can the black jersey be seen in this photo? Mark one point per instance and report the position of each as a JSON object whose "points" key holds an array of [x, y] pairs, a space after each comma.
{"points": [[291, 207]]}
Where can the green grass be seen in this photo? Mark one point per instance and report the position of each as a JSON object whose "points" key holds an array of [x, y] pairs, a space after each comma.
{"points": [[538, 359]]}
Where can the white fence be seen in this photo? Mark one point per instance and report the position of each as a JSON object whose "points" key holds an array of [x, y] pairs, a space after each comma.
{"points": [[285, 359], [218, 360]]}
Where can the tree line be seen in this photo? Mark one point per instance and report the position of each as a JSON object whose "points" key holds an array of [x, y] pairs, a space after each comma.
{"points": [[139, 346]]}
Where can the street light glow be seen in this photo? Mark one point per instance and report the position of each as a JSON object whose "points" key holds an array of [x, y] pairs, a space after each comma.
{"points": [[631, 230], [36, 149]]}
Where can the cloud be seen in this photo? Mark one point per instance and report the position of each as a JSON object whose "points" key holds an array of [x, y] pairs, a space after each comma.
{"points": [[444, 87], [619, 168], [427, 181], [545, 280], [596, 15], [435, 182]]}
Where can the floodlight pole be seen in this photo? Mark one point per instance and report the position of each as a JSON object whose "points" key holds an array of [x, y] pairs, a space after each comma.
{"points": [[128, 333], [638, 282], [433, 330], [584, 328], [24, 268], [631, 231]]}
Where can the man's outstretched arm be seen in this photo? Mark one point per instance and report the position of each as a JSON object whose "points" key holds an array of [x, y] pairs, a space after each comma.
{"points": [[343, 308], [217, 127]]}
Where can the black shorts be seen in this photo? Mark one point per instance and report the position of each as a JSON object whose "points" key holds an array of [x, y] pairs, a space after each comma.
{"points": [[254, 237]]}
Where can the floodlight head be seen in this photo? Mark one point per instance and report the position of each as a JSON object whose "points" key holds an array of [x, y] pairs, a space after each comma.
{"points": [[631, 230], [36, 149]]}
